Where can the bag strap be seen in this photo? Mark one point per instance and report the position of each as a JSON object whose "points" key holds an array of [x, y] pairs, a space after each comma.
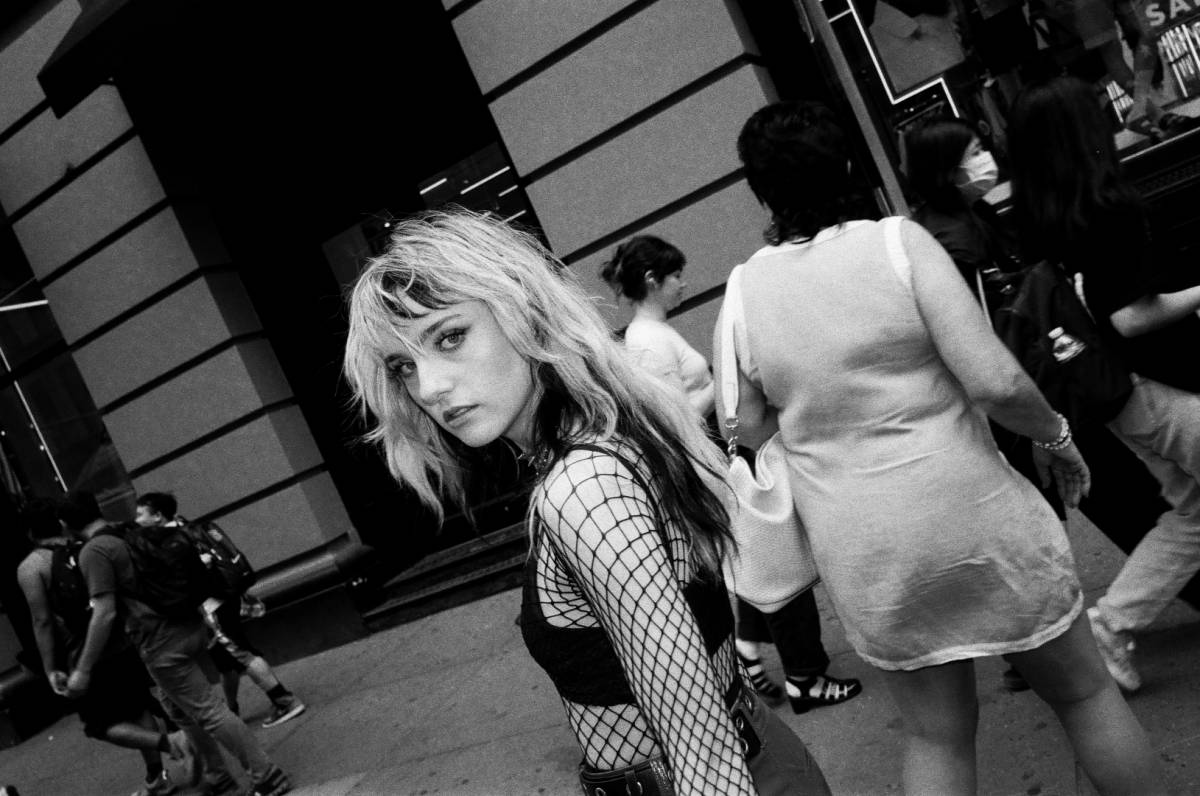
{"points": [[1077, 283], [982, 295], [733, 311], [897, 257]]}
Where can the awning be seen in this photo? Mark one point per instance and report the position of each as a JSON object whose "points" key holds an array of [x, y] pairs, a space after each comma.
{"points": [[100, 39]]}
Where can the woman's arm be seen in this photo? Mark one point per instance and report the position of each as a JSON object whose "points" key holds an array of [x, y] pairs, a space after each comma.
{"points": [[29, 577], [987, 370], [1155, 311], [757, 419], [601, 522]]}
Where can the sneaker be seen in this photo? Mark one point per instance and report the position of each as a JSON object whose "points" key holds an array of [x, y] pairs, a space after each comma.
{"points": [[285, 712], [273, 784], [184, 753], [1116, 648], [162, 786]]}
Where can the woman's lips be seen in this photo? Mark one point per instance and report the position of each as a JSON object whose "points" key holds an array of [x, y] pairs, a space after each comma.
{"points": [[453, 417]]}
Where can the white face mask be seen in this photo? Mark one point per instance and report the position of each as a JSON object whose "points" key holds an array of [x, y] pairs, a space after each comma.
{"points": [[977, 175]]}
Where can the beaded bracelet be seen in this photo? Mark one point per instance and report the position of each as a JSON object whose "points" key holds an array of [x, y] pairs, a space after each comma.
{"points": [[1061, 441]]}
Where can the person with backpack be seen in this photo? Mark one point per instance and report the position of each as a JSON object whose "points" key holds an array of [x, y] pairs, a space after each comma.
{"points": [[119, 706], [1074, 207], [230, 575], [155, 580]]}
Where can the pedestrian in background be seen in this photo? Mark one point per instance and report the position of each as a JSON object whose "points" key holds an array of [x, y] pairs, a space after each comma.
{"points": [[118, 706], [231, 649], [647, 272], [465, 331], [863, 348], [949, 171], [172, 647], [1073, 207]]}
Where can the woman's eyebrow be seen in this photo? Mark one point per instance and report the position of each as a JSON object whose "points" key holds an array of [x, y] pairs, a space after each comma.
{"points": [[434, 327]]}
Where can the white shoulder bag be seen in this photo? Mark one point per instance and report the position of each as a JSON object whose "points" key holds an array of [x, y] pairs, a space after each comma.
{"points": [[773, 562]]}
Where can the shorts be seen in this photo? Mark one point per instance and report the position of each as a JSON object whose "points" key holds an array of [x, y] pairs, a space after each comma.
{"points": [[231, 651], [120, 691]]}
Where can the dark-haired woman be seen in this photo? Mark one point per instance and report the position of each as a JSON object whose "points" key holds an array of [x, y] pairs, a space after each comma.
{"points": [[949, 171], [863, 347], [1073, 207], [465, 331], [647, 272]]}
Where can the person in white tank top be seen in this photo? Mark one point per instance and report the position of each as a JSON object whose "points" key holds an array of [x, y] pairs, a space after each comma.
{"points": [[648, 272]]}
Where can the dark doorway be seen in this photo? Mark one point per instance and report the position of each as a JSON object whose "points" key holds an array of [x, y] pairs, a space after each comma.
{"points": [[290, 123]]}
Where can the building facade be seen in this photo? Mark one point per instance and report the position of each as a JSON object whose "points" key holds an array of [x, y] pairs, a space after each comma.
{"points": [[186, 190]]}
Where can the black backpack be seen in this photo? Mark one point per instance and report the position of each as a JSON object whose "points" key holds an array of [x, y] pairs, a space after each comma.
{"points": [[230, 572], [68, 597], [171, 578], [1051, 332]]}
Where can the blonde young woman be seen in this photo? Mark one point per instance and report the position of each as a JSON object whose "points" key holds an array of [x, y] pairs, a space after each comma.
{"points": [[465, 331]]}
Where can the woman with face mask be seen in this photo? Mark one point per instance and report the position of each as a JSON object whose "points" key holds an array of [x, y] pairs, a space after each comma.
{"points": [[950, 172], [466, 331]]}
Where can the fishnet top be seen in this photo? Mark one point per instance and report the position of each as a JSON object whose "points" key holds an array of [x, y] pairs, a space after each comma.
{"points": [[600, 561]]}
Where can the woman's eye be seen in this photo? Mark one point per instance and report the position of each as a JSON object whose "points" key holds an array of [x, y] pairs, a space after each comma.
{"points": [[402, 370], [451, 339]]}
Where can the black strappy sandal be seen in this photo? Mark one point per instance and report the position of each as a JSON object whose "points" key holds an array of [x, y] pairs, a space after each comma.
{"points": [[832, 692], [766, 689]]}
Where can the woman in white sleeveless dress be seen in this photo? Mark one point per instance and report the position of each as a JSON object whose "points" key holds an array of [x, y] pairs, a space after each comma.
{"points": [[873, 361]]}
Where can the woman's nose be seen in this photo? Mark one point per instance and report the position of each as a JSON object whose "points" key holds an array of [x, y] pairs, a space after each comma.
{"points": [[433, 382]]}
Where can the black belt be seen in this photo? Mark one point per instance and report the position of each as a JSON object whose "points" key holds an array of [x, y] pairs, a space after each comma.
{"points": [[653, 777]]}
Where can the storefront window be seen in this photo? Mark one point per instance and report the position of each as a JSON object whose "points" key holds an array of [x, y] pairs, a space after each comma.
{"points": [[52, 438], [914, 59]]}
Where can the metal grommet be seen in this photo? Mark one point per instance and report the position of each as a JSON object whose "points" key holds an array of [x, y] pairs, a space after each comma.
{"points": [[601, 791], [745, 745], [640, 790]]}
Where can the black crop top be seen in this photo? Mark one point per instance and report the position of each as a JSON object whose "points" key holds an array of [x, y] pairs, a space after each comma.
{"points": [[581, 661]]}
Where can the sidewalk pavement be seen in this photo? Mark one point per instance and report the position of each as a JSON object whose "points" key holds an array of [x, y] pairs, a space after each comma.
{"points": [[452, 704]]}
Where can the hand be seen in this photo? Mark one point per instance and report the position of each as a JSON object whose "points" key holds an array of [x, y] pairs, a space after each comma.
{"points": [[1068, 469], [78, 682], [58, 682]]}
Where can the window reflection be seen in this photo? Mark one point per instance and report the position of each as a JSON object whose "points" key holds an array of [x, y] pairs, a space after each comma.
{"points": [[52, 437], [26, 326]]}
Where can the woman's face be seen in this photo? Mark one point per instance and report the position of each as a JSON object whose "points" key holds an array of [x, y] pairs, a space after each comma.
{"points": [[976, 174], [466, 375], [669, 291]]}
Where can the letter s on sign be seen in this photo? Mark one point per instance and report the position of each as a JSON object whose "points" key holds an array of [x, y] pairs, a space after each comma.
{"points": [[1154, 15]]}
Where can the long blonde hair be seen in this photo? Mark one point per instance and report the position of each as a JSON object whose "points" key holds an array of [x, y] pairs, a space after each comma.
{"points": [[586, 387]]}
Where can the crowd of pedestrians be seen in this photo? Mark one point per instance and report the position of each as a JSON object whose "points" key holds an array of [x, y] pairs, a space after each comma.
{"points": [[128, 618], [931, 473]]}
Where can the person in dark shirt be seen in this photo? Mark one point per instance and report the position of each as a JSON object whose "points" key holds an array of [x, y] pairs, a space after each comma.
{"points": [[1125, 500], [172, 650], [1073, 206], [118, 705]]}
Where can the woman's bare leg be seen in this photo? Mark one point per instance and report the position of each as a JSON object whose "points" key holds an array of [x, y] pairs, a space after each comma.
{"points": [[940, 712], [1108, 740]]}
